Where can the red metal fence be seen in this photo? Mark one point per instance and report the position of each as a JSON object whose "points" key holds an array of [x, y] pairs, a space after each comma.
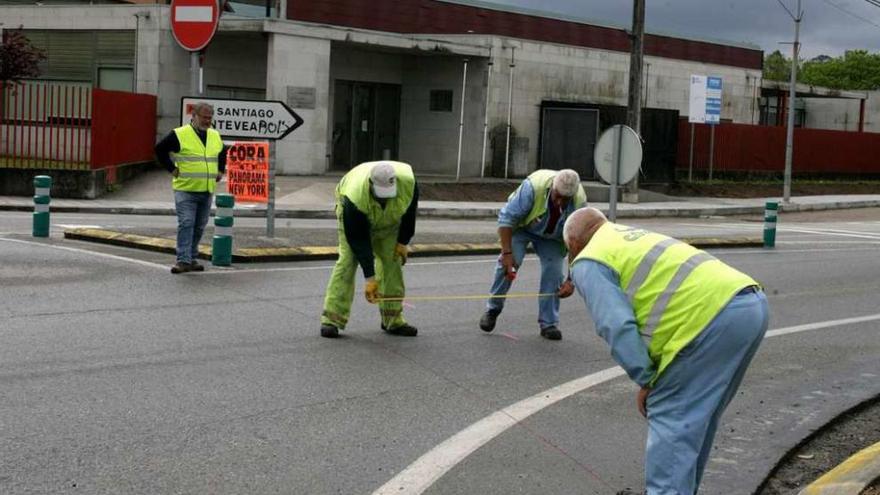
{"points": [[752, 148], [69, 126]]}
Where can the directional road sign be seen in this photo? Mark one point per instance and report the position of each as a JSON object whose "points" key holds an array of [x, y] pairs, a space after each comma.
{"points": [[251, 119], [193, 22]]}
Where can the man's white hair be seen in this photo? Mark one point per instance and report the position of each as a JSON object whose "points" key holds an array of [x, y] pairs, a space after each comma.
{"points": [[566, 182]]}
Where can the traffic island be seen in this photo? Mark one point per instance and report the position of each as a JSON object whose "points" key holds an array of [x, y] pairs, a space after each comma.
{"points": [[252, 249]]}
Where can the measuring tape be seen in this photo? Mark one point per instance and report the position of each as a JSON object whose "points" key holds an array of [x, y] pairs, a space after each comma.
{"points": [[474, 296]]}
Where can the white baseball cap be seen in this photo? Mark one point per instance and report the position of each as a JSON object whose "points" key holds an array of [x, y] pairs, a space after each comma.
{"points": [[384, 180]]}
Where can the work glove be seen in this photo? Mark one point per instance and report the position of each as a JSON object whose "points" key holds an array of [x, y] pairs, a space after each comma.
{"points": [[371, 290], [401, 252], [509, 266], [175, 173], [566, 289], [219, 176]]}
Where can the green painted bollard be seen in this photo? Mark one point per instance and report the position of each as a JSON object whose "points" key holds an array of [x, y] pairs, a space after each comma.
{"points": [[221, 249], [770, 211], [42, 185]]}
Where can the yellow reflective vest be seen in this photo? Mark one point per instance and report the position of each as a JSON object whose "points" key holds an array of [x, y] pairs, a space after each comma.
{"points": [[355, 186], [675, 289], [196, 163], [542, 182]]}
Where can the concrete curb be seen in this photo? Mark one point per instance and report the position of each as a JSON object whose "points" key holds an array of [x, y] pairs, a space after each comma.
{"points": [[305, 253], [452, 212], [851, 476]]}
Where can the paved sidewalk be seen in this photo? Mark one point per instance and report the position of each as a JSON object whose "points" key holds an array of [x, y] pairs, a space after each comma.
{"points": [[684, 207], [313, 197]]}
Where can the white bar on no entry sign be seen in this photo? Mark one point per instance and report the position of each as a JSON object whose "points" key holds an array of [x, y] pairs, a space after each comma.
{"points": [[193, 14]]}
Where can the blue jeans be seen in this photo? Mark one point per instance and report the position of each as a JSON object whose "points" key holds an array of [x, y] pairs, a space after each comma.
{"points": [[689, 397], [552, 257], [192, 216]]}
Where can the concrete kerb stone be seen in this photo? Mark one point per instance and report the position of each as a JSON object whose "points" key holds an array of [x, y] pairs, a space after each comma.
{"points": [[315, 253], [452, 212], [851, 476]]}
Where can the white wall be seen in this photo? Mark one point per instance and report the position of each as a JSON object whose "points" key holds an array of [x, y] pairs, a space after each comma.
{"points": [[429, 140], [843, 115], [549, 72], [301, 62]]}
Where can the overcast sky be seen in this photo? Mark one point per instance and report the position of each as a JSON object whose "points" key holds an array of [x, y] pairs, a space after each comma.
{"points": [[829, 26]]}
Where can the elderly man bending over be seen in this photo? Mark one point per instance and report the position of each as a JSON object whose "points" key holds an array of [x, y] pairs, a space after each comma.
{"points": [[535, 214], [683, 325]]}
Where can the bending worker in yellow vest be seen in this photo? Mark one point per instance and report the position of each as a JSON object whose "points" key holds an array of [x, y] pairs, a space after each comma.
{"points": [[376, 204], [535, 213], [701, 322], [196, 157]]}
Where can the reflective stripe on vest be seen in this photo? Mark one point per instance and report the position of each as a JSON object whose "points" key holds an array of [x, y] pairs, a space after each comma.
{"points": [[660, 304]]}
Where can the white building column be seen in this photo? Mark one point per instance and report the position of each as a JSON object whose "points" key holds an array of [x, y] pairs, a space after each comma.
{"points": [[298, 73]]}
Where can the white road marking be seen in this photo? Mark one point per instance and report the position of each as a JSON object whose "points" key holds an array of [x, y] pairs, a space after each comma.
{"points": [[90, 253], [421, 474], [834, 232]]}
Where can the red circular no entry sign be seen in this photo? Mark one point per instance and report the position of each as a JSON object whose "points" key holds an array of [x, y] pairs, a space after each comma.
{"points": [[193, 22]]}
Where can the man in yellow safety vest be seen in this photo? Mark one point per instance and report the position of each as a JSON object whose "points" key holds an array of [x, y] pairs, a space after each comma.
{"points": [[682, 324], [376, 204], [196, 157], [535, 214]]}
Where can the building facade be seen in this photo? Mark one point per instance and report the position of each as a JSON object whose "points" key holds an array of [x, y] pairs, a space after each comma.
{"points": [[436, 83]]}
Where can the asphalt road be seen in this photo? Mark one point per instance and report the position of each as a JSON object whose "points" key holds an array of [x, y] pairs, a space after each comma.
{"points": [[117, 377]]}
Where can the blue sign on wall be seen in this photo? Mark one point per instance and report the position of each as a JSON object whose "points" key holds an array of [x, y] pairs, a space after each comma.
{"points": [[713, 100]]}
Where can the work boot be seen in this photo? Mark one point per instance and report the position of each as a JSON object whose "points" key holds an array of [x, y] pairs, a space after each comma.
{"points": [[180, 268], [405, 330], [329, 331], [195, 266], [487, 321], [551, 333]]}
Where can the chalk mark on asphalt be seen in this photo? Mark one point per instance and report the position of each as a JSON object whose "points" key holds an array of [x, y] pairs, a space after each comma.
{"points": [[430, 467]]}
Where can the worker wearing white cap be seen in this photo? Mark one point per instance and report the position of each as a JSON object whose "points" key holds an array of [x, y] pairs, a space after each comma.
{"points": [[376, 205], [535, 214]]}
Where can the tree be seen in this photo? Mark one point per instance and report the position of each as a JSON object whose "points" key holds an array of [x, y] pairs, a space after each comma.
{"points": [[855, 70], [777, 67], [18, 58]]}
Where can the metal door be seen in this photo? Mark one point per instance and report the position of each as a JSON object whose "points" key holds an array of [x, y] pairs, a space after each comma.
{"points": [[568, 137]]}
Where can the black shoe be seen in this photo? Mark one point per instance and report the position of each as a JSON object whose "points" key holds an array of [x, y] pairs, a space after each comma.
{"points": [[630, 492], [551, 333], [329, 331], [487, 321], [195, 266], [180, 268], [404, 330]]}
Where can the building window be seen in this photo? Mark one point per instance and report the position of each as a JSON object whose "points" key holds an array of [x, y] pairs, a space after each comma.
{"points": [[441, 100], [770, 113]]}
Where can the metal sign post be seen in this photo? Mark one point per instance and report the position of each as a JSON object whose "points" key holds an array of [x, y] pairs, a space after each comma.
{"points": [[615, 174], [618, 158], [270, 206]]}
